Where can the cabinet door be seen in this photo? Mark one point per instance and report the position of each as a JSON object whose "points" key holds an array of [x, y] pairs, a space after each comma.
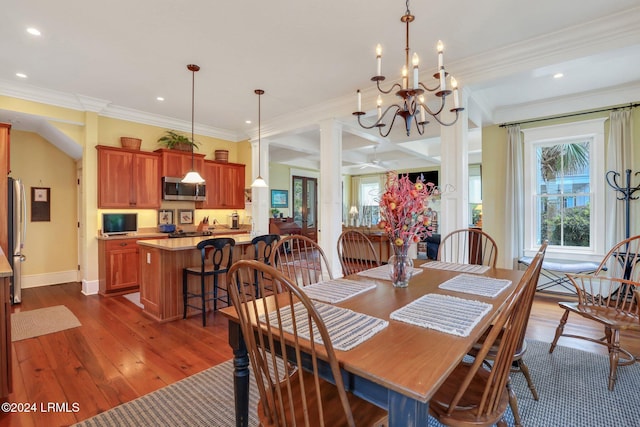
{"points": [[232, 177], [146, 180], [211, 172], [122, 264], [177, 163], [115, 178]]}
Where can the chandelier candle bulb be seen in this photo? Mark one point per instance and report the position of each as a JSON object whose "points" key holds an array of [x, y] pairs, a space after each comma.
{"points": [[421, 108], [359, 101], [379, 60], [379, 103], [440, 48], [404, 77], [454, 86], [415, 62], [443, 77]]}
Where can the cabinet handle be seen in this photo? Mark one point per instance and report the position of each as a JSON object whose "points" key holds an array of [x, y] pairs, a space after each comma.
{"points": [[123, 244]]}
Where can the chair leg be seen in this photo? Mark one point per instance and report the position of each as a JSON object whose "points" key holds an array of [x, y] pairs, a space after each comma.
{"points": [[204, 301], [614, 356], [525, 370], [513, 404], [559, 330], [215, 292], [184, 294]]}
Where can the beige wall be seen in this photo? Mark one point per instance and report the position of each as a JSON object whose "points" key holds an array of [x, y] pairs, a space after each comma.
{"points": [[50, 246]]}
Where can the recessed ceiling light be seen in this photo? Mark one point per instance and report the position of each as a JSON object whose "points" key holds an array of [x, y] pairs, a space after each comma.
{"points": [[160, 98], [248, 122], [558, 75], [21, 75], [33, 31]]}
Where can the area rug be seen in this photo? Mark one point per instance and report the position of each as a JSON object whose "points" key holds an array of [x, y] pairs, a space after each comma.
{"points": [[572, 386], [33, 323], [134, 298]]}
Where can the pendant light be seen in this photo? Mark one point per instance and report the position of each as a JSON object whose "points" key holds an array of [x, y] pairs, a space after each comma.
{"points": [[259, 182], [192, 177]]}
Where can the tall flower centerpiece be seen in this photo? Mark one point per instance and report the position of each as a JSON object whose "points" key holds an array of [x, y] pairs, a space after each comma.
{"points": [[403, 209]]}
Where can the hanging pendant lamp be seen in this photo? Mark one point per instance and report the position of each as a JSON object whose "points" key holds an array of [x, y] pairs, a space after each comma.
{"points": [[259, 182], [192, 177]]}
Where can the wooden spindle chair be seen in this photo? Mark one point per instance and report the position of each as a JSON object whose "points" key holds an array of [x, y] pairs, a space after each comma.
{"points": [[468, 246], [356, 252], [301, 259]]}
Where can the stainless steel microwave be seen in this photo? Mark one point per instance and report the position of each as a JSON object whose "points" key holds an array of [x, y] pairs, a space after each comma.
{"points": [[175, 189]]}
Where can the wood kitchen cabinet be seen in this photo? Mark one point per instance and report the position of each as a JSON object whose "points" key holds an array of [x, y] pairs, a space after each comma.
{"points": [[5, 145], [6, 380], [118, 266], [176, 163], [225, 185], [128, 178]]}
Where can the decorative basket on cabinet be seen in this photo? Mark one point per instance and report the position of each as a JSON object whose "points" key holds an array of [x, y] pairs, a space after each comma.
{"points": [[222, 155], [130, 143]]}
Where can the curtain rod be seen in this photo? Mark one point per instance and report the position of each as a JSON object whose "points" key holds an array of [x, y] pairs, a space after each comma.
{"points": [[632, 105]]}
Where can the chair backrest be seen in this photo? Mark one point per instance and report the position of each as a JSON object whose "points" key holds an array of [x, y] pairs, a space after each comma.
{"points": [[301, 259], [217, 252], [468, 246], [277, 382], [623, 260], [527, 298], [263, 246], [356, 252], [502, 339], [604, 292]]}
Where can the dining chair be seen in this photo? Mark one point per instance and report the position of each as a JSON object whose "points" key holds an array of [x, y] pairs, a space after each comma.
{"points": [[518, 364], [468, 246], [301, 259], [216, 257], [356, 252], [621, 262], [263, 247], [612, 302], [293, 393], [475, 394]]}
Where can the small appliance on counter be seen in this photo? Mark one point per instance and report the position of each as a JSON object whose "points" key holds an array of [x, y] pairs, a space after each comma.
{"points": [[234, 221]]}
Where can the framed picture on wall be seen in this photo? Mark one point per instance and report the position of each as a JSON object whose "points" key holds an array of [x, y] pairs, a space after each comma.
{"points": [[279, 199], [165, 216], [185, 216]]}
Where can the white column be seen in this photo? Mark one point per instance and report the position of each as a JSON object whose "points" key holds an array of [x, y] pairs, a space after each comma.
{"points": [[454, 174], [330, 184], [260, 196]]}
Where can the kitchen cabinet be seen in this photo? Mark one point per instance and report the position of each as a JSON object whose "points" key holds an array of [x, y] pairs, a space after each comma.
{"points": [[176, 163], [6, 386], [118, 265], [225, 185], [128, 178], [5, 129]]}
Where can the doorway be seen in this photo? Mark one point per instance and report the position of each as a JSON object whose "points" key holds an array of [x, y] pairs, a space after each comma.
{"points": [[305, 205]]}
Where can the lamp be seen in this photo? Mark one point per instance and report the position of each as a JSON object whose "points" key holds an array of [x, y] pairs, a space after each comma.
{"points": [[192, 177], [259, 182], [354, 213], [413, 106]]}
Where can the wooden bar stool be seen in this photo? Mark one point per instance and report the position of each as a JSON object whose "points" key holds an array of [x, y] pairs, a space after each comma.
{"points": [[217, 256], [262, 248]]}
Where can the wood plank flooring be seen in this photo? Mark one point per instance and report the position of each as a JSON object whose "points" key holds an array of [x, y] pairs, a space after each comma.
{"points": [[118, 354]]}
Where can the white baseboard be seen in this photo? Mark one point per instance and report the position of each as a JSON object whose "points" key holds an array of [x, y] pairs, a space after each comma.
{"points": [[90, 287], [37, 280]]}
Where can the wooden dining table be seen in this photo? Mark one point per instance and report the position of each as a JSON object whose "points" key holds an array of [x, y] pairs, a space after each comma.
{"points": [[401, 367]]}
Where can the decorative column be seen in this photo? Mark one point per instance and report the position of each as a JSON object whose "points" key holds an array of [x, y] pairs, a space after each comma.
{"points": [[330, 191], [260, 196]]}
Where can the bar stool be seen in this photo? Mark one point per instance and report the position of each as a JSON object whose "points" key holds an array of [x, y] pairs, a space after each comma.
{"points": [[262, 247], [219, 254]]}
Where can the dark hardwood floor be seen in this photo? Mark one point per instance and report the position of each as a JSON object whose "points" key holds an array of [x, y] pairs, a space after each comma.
{"points": [[118, 354]]}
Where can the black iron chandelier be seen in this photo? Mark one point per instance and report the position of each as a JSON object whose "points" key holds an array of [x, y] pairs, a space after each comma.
{"points": [[412, 107]]}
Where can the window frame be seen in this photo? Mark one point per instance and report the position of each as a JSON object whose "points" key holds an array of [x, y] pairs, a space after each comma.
{"points": [[592, 130]]}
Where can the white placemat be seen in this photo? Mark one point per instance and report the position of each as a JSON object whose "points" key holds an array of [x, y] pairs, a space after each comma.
{"points": [[382, 272], [452, 266], [346, 328], [444, 313], [476, 285], [337, 290]]}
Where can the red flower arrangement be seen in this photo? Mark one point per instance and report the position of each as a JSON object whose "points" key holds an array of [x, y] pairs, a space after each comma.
{"points": [[403, 208]]}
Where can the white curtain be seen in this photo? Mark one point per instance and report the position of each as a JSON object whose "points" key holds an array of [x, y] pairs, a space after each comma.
{"points": [[514, 204], [619, 159]]}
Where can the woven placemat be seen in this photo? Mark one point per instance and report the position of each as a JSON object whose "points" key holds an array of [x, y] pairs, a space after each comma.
{"points": [[346, 328], [476, 285], [452, 266], [382, 272], [444, 313], [337, 290]]}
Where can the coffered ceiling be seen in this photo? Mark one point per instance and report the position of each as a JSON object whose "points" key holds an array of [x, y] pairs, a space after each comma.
{"points": [[117, 57]]}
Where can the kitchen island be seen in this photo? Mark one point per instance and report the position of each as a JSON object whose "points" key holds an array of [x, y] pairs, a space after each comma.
{"points": [[161, 264]]}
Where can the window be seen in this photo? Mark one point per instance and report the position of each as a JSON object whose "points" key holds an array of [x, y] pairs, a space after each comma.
{"points": [[564, 201], [370, 195]]}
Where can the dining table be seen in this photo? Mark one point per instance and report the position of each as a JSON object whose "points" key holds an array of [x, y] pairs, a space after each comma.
{"points": [[400, 367]]}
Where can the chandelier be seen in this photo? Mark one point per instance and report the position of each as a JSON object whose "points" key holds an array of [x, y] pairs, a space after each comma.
{"points": [[412, 105], [259, 182]]}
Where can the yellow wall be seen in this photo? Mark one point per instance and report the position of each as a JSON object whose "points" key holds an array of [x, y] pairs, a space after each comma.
{"points": [[50, 246], [280, 179]]}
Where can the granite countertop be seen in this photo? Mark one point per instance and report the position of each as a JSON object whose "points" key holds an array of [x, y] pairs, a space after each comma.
{"points": [[185, 243], [151, 233]]}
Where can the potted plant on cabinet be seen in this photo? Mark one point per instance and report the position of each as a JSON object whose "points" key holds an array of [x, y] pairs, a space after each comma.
{"points": [[275, 212], [176, 141]]}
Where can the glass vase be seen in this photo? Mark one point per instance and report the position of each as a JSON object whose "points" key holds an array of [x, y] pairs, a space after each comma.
{"points": [[400, 269]]}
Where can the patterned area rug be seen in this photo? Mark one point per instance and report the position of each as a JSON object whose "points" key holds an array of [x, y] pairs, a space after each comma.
{"points": [[33, 323], [572, 386]]}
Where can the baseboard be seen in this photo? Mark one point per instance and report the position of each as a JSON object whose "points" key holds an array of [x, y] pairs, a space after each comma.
{"points": [[37, 280], [90, 287]]}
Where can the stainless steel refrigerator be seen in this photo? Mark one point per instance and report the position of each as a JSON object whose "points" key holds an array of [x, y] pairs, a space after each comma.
{"points": [[17, 219]]}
